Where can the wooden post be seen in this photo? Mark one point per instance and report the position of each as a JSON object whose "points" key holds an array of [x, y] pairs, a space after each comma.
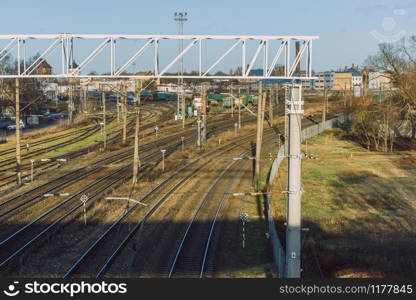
{"points": [[18, 156]]}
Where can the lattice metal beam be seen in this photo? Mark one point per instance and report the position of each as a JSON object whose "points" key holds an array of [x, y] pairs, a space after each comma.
{"points": [[15, 45]]}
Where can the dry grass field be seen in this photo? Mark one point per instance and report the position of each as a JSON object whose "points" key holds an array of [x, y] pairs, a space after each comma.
{"points": [[360, 209]]}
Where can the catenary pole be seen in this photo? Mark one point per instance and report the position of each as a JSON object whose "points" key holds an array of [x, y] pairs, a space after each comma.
{"points": [[258, 138], [18, 156], [293, 229]]}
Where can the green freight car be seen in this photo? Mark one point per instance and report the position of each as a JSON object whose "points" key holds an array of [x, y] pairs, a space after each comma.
{"points": [[218, 97], [227, 102], [164, 96]]}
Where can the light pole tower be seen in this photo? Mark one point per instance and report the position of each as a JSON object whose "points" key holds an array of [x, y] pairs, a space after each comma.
{"points": [[181, 17]]}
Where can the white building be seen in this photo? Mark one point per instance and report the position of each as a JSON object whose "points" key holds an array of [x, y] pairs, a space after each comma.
{"points": [[357, 80], [167, 88], [307, 84], [378, 80], [324, 80]]}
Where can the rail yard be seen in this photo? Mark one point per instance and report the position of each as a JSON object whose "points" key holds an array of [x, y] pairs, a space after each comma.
{"points": [[145, 160], [78, 215]]}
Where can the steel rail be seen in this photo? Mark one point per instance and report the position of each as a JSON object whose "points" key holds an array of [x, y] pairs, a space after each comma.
{"points": [[2, 243], [151, 211]]}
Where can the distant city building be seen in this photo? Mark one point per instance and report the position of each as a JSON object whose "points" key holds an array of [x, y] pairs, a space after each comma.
{"points": [[342, 81], [324, 80], [167, 87], [357, 76], [378, 80]]}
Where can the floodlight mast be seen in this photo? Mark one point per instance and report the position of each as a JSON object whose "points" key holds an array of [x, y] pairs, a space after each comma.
{"points": [[181, 17]]}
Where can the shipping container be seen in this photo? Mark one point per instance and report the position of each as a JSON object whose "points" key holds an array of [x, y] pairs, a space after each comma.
{"points": [[164, 96]]}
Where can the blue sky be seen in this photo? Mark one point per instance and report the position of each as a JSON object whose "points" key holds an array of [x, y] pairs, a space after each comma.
{"points": [[346, 28]]}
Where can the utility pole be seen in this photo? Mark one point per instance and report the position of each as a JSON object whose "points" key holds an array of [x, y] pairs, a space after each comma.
{"points": [[277, 94], [204, 116], [104, 120], [324, 106], [181, 17], [258, 137], [70, 116], [85, 90], [239, 108], [124, 91], [287, 94], [183, 105], [232, 103], [345, 95], [118, 109], [136, 159], [271, 106], [293, 229], [18, 157], [263, 111], [198, 141]]}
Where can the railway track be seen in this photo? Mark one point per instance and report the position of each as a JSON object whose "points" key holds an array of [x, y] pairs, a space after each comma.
{"points": [[68, 207], [15, 243], [41, 166], [33, 196], [101, 253], [191, 256], [43, 141]]}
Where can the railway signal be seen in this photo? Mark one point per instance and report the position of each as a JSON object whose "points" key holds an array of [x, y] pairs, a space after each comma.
{"points": [[84, 199], [244, 219], [32, 165], [163, 159]]}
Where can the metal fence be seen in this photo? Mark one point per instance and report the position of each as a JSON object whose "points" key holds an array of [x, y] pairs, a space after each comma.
{"points": [[308, 132]]}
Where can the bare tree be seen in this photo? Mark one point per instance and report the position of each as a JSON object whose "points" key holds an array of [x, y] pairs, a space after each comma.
{"points": [[398, 63]]}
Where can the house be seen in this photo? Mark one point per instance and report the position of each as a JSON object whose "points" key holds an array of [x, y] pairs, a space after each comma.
{"points": [[44, 68], [378, 80]]}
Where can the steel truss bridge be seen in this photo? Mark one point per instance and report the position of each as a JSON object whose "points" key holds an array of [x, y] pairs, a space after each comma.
{"points": [[269, 50]]}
